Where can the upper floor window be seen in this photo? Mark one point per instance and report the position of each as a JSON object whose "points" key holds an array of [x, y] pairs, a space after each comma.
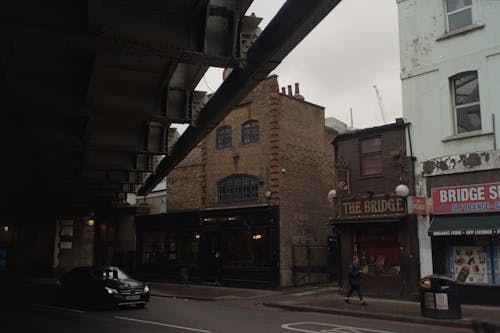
{"points": [[224, 137], [250, 132], [370, 156], [467, 109], [238, 188], [458, 13]]}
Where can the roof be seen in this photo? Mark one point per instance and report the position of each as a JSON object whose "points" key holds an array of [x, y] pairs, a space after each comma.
{"points": [[399, 124]]}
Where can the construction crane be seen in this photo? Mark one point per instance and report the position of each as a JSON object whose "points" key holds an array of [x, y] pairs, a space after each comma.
{"points": [[381, 107]]}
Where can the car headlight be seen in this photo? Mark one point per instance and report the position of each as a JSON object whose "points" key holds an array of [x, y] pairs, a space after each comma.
{"points": [[146, 289], [111, 290]]}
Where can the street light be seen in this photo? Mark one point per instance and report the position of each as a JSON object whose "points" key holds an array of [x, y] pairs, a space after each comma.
{"points": [[402, 191]]}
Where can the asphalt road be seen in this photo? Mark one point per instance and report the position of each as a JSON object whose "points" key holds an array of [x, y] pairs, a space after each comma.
{"points": [[180, 316]]}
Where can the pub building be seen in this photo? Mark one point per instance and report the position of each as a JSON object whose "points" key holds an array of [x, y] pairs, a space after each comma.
{"points": [[181, 246], [465, 233], [369, 219]]}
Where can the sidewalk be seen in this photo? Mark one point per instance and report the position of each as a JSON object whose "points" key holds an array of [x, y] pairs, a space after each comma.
{"points": [[327, 299]]}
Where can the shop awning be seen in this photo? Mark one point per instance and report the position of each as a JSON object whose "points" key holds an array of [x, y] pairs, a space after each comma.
{"points": [[465, 225]]}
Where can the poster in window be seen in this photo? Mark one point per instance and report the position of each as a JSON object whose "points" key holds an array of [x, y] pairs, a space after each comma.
{"points": [[470, 264]]}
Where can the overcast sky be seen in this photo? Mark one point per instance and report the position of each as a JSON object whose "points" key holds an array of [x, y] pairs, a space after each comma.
{"points": [[337, 64]]}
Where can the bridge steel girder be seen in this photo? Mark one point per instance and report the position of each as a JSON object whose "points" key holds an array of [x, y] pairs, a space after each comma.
{"points": [[290, 25]]}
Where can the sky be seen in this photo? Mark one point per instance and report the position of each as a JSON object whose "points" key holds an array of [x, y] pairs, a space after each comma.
{"points": [[354, 48]]}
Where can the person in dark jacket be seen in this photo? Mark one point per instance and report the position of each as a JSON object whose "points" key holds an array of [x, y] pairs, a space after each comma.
{"points": [[355, 279]]}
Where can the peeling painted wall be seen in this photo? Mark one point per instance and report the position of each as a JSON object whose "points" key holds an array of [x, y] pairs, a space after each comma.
{"points": [[429, 57], [477, 161]]}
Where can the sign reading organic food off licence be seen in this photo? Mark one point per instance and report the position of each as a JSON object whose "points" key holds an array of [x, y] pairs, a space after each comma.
{"points": [[478, 198]]}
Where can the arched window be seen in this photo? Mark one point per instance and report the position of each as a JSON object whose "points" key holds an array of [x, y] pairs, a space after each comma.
{"points": [[250, 132], [224, 138], [238, 188], [466, 103]]}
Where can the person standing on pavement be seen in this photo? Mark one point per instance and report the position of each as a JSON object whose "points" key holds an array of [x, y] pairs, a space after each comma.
{"points": [[218, 268], [355, 279]]}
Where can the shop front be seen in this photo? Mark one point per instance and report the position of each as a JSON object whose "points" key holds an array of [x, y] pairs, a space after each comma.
{"points": [[182, 246], [378, 230], [465, 231]]}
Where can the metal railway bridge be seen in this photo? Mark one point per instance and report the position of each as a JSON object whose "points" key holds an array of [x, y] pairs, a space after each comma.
{"points": [[90, 88]]}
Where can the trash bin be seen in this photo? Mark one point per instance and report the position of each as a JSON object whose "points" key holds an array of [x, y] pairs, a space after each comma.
{"points": [[439, 297]]}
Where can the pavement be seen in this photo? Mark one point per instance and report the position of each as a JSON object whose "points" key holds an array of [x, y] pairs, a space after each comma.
{"points": [[328, 299]]}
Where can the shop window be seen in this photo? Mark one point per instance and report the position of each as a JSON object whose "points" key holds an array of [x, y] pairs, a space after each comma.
{"points": [[188, 247], [370, 156], [246, 248], [250, 132], [466, 104], [470, 264], [224, 137], [238, 188], [458, 13], [379, 251], [153, 247]]}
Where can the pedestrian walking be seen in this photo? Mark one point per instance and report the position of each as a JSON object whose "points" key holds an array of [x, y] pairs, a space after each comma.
{"points": [[355, 279]]}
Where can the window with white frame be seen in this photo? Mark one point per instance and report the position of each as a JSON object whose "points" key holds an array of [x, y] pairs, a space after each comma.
{"points": [[466, 103], [458, 13]]}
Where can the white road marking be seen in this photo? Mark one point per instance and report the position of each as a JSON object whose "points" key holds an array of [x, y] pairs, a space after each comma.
{"points": [[329, 328], [57, 308], [162, 324]]}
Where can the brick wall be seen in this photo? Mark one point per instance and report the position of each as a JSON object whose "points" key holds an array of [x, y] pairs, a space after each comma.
{"points": [[252, 159], [306, 178], [393, 141], [293, 160], [185, 183]]}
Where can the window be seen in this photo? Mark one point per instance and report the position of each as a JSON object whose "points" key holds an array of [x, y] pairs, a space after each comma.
{"points": [[465, 90], [379, 251], [238, 188], [250, 132], [458, 13], [224, 137], [370, 156]]}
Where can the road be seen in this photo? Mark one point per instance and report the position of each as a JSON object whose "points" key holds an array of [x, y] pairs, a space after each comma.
{"points": [[168, 315]]}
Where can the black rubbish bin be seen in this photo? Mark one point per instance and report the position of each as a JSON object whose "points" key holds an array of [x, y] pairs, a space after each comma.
{"points": [[439, 297]]}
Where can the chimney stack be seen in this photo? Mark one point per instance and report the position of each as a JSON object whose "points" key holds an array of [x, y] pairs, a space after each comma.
{"points": [[283, 90], [290, 93], [297, 93]]}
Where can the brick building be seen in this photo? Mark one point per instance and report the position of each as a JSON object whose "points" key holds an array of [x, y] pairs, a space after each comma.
{"points": [[370, 221], [255, 191]]}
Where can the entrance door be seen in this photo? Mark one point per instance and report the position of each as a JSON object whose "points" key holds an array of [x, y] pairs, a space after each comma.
{"points": [[333, 256], [211, 242]]}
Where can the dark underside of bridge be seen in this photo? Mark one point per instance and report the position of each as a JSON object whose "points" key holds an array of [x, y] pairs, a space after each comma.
{"points": [[89, 90]]}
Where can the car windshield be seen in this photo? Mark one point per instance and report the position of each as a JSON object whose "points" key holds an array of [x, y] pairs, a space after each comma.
{"points": [[109, 273]]}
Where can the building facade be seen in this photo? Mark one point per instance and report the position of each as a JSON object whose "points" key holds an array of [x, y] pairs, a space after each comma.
{"points": [[255, 191], [450, 60], [370, 221]]}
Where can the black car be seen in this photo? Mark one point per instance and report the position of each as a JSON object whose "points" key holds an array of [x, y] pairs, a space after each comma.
{"points": [[100, 286]]}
